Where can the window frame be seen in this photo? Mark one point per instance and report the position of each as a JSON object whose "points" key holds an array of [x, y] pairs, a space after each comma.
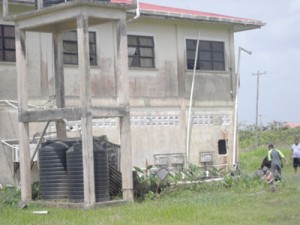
{"points": [[4, 49], [209, 57], [74, 53], [136, 59]]}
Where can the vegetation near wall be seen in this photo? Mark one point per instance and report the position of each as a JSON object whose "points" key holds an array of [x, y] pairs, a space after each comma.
{"points": [[186, 198]]}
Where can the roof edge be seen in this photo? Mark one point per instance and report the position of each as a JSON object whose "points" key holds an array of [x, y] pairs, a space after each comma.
{"points": [[151, 10]]}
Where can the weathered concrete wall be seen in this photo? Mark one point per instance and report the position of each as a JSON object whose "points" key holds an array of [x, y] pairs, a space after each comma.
{"points": [[160, 82], [8, 83], [8, 130], [10, 174], [159, 96]]}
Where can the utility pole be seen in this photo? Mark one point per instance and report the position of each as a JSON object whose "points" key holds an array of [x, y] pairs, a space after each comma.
{"points": [[258, 74]]}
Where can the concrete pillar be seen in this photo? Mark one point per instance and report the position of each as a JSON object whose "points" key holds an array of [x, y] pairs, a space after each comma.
{"points": [[40, 4], [22, 84], [123, 98], [85, 102], [59, 81], [5, 8]]}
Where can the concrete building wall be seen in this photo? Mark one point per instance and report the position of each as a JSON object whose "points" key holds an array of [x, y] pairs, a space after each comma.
{"points": [[159, 96], [8, 130]]}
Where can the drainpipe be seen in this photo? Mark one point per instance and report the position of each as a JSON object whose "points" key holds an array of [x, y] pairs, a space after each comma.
{"points": [[235, 126], [137, 11], [191, 102]]}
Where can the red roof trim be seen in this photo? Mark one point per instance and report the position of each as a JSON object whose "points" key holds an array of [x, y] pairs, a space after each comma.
{"points": [[166, 9]]}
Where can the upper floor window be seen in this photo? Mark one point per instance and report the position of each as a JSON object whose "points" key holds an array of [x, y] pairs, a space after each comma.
{"points": [[140, 51], [210, 55], [71, 49], [7, 43]]}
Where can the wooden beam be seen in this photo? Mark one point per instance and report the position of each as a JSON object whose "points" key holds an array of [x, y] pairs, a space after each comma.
{"points": [[59, 81], [123, 99], [22, 84], [85, 101]]}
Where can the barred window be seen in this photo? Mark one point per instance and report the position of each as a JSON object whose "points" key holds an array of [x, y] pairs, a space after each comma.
{"points": [[140, 51], [7, 43], [210, 55], [71, 49]]}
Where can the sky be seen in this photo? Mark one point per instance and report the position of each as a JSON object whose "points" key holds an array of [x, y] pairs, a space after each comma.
{"points": [[275, 50]]}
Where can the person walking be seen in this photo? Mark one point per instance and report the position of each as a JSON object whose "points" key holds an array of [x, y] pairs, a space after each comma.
{"points": [[276, 157], [295, 156]]}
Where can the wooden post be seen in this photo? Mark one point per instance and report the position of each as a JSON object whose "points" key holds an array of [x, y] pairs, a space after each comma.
{"points": [[22, 84], [123, 98], [86, 120], [59, 81]]}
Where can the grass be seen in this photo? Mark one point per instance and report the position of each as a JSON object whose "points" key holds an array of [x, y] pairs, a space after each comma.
{"points": [[244, 203]]}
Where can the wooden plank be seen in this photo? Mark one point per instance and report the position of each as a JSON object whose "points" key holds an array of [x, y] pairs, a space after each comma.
{"points": [[85, 101], [123, 99], [22, 84], [59, 81]]}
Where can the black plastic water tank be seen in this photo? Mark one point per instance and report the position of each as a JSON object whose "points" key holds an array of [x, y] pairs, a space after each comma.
{"points": [[75, 173], [53, 174], [101, 174]]}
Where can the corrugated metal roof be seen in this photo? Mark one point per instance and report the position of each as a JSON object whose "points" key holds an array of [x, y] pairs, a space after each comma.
{"points": [[165, 11]]}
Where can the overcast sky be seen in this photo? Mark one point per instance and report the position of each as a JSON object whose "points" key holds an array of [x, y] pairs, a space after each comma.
{"points": [[275, 50]]}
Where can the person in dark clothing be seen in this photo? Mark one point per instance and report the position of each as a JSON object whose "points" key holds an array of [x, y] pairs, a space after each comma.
{"points": [[276, 157], [265, 163]]}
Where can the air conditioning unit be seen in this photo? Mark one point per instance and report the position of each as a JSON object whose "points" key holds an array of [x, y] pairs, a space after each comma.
{"points": [[16, 153]]}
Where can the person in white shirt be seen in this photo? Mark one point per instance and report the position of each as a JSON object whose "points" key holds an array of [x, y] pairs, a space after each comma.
{"points": [[296, 155]]}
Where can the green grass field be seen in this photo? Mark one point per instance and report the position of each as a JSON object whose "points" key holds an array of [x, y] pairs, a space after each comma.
{"points": [[213, 204]]}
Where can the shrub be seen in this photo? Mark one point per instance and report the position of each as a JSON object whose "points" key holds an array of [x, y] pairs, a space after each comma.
{"points": [[10, 195]]}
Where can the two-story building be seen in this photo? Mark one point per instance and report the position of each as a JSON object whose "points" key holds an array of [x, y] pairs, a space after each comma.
{"points": [[182, 83]]}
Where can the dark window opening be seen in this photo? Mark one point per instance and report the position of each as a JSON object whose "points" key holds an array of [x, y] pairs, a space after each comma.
{"points": [[222, 147], [210, 55], [71, 48], [140, 51], [7, 43]]}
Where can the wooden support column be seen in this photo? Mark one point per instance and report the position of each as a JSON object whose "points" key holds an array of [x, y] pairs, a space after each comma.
{"points": [[22, 84], [59, 81], [123, 98], [86, 120]]}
